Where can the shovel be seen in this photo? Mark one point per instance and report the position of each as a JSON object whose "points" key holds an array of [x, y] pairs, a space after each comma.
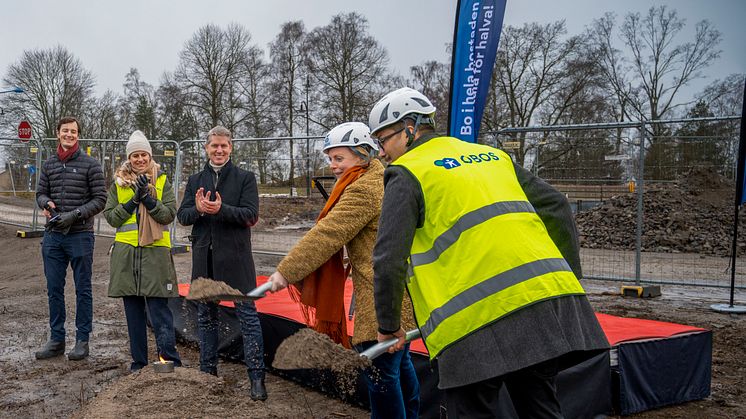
{"points": [[381, 347], [254, 294]]}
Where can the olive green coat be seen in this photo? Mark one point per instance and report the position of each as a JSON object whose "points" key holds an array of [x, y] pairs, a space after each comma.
{"points": [[141, 271], [352, 222]]}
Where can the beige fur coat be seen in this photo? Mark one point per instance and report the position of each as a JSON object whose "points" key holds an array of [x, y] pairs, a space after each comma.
{"points": [[352, 222]]}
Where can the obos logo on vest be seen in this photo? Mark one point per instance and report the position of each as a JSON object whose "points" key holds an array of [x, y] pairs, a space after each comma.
{"points": [[451, 163]]}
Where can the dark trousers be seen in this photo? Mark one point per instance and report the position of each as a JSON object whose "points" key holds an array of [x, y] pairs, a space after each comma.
{"points": [[58, 251], [251, 330], [393, 388], [531, 389], [137, 309]]}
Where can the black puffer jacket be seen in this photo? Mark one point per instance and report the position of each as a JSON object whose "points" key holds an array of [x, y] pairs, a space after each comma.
{"points": [[77, 183]]}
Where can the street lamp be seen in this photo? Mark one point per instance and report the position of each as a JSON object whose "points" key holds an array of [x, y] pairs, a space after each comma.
{"points": [[304, 108], [15, 89]]}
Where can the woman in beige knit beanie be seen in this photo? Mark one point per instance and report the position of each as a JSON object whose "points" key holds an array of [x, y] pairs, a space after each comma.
{"points": [[141, 204]]}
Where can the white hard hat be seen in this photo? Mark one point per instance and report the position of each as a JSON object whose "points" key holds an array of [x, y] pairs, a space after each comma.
{"points": [[349, 134], [396, 105]]}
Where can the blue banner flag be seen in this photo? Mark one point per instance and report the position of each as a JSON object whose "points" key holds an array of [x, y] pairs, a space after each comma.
{"points": [[741, 173], [475, 39]]}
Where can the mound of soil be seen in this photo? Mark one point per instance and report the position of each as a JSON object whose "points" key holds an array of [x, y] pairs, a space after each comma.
{"points": [[288, 212], [310, 349], [692, 215], [208, 289]]}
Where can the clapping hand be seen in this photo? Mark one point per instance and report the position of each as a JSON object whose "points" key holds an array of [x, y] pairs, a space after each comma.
{"points": [[203, 203]]}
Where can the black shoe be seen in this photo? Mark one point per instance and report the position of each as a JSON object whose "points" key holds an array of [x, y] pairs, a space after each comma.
{"points": [[51, 349], [258, 391], [79, 352]]}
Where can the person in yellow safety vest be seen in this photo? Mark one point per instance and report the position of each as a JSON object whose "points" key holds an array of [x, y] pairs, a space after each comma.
{"points": [[140, 205], [490, 258]]}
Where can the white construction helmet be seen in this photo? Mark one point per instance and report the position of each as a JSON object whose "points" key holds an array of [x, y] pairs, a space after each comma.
{"points": [[349, 134], [396, 105]]}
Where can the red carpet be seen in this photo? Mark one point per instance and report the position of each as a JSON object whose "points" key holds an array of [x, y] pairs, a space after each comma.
{"points": [[617, 329]]}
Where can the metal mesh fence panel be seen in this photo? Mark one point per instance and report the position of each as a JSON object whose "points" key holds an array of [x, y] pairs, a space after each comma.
{"points": [[640, 196]]}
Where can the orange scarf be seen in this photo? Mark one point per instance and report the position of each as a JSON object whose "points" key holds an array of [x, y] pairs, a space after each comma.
{"points": [[322, 291]]}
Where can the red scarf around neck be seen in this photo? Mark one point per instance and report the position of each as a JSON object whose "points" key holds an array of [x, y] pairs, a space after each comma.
{"points": [[64, 155], [322, 291]]}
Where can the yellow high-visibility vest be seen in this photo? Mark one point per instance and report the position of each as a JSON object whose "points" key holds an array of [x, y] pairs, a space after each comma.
{"points": [[127, 232], [482, 251]]}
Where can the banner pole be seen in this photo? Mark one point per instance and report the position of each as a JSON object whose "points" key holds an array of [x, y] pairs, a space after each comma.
{"points": [[453, 67]]}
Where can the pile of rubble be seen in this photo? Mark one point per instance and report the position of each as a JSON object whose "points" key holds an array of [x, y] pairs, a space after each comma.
{"points": [[692, 215]]}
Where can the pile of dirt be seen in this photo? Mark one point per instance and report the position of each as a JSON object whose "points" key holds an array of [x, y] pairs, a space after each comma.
{"points": [[692, 215], [208, 289], [310, 349], [288, 212]]}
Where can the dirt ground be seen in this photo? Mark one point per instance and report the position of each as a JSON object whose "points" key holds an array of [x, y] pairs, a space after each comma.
{"points": [[101, 385]]}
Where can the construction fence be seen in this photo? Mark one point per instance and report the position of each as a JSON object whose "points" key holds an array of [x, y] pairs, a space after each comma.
{"points": [[592, 164]]}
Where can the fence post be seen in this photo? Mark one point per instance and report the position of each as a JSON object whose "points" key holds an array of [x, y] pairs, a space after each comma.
{"points": [[308, 162], [36, 184], [640, 187]]}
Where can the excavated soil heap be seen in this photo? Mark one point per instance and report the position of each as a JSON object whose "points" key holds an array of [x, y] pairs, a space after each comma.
{"points": [[310, 349], [692, 215], [207, 289]]}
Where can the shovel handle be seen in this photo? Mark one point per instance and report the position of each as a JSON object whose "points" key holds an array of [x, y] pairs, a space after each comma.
{"points": [[381, 347], [259, 291]]}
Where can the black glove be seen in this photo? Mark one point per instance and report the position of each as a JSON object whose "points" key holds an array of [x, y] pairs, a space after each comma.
{"points": [[138, 185], [66, 219], [142, 187]]}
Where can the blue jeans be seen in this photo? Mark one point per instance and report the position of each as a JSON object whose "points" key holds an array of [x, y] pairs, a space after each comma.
{"points": [[251, 330], [393, 388], [162, 321], [58, 251]]}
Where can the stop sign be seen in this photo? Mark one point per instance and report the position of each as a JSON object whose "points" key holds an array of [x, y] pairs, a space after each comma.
{"points": [[24, 131]]}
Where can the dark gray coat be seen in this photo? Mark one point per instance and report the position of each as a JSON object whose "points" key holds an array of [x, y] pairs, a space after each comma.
{"points": [[226, 233], [562, 328], [77, 183]]}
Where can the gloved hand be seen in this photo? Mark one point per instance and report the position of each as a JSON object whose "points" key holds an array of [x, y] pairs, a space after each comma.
{"points": [[66, 220], [142, 188], [137, 185]]}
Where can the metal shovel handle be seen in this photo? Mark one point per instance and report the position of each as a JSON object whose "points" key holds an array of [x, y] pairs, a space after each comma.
{"points": [[261, 290], [381, 347]]}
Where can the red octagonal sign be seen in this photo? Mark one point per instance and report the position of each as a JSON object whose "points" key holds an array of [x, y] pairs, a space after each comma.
{"points": [[24, 131]]}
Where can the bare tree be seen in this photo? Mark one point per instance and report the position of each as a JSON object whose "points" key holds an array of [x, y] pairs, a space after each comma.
{"points": [[139, 104], [176, 119], [104, 117], [724, 97], [55, 84], [288, 55], [210, 64], [256, 89], [646, 84], [537, 72], [432, 78], [349, 68]]}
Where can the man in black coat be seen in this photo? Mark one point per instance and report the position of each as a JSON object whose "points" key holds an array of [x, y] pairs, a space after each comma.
{"points": [[71, 191], [222, 203]]}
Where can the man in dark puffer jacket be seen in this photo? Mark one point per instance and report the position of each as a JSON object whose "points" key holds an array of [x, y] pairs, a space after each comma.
{"points": [[71, 191]]}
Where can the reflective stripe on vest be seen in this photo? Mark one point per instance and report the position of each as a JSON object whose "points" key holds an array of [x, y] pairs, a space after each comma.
{"points": [[127, 232], [482, 251]]}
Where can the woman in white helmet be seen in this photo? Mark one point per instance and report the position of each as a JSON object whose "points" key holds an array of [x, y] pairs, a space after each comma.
{"points": [[316, 270]]}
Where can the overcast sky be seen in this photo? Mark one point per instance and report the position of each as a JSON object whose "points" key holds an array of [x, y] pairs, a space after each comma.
{"points": [[110, 37]]}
